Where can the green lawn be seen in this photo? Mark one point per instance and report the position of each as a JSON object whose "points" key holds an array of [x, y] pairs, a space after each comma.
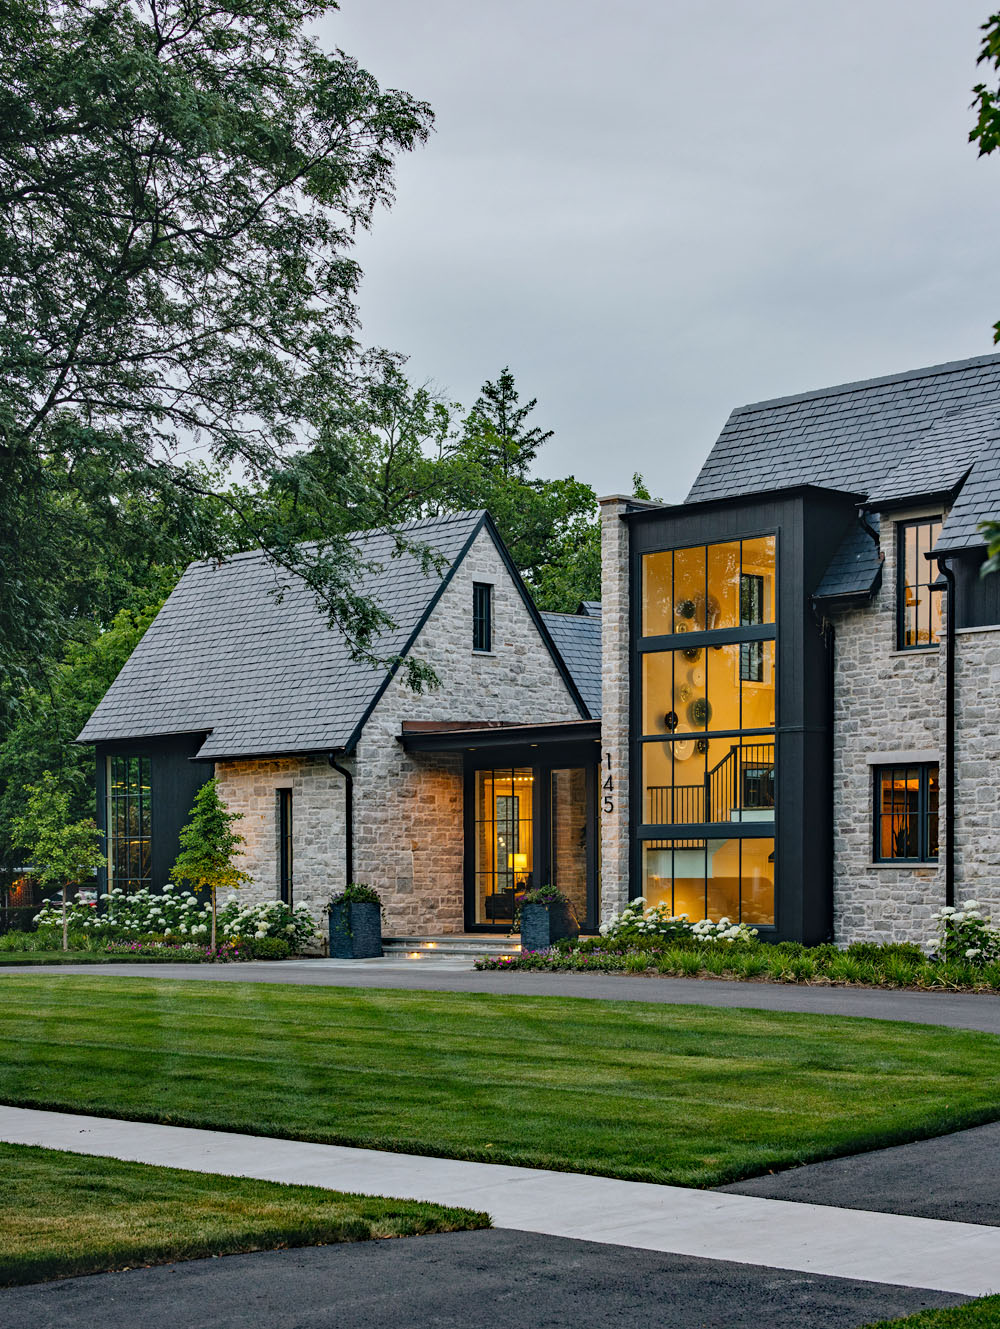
{"points": [[981, 1314], [63, 1214], [682, 1094]]}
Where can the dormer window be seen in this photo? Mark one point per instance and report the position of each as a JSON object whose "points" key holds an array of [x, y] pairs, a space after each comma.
{"points": [[918, 598], [482, 616]]}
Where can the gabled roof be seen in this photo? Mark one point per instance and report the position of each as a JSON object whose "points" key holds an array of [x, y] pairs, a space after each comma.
{"points": [[892, 439], [591, 607], [263, 674], [578, 640]]}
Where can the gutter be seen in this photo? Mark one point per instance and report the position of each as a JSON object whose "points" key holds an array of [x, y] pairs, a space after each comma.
{"points": [[949, 733], [348, 816]]}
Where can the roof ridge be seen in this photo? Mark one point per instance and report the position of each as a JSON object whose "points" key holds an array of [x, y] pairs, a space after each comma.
{"points": [[929, 371]]}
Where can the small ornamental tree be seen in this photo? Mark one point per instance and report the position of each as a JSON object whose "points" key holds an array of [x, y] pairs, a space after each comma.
{"points": [[208, 844], [63, 853]]}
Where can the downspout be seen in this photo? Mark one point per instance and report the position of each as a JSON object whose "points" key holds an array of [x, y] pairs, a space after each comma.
{"points": [[949, 734], [348, 816]]}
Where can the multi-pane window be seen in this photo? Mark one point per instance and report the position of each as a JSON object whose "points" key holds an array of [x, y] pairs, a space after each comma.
{"points": [[482, 616], [906, 813], [707, 728], [918, 598], [130, 863]]}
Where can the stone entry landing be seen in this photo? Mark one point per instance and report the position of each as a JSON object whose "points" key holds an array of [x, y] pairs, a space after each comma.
{"points": [[450, 946]]}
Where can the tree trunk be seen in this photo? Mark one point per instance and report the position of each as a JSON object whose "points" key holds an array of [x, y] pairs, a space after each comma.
{"points": [[213, 920], [65, 921]]}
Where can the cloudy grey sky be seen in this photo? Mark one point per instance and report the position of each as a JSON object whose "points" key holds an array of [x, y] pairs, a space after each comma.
{"points": [[656, 210]]}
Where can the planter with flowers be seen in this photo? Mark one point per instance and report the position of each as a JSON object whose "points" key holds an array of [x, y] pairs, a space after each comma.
{"points": [[546, 915], [356, 923]]}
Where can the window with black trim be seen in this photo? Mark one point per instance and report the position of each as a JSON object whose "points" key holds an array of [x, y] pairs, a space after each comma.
{"points": [[918, 597], [130, 832], [482, 616], [906, 813], [285, 857]]}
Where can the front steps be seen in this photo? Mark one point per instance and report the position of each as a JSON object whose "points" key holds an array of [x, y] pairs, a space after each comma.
{"points": [[451, 946]]}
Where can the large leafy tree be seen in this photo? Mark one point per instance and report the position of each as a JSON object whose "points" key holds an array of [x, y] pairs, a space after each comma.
{"points": [[986, 132], [180, 182]]}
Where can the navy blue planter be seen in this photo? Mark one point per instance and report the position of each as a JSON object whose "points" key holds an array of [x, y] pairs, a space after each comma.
{"points": [[542, 924], [355, 931]]}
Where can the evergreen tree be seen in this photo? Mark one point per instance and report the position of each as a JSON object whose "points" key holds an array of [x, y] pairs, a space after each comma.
{"points": [[208, 846]]}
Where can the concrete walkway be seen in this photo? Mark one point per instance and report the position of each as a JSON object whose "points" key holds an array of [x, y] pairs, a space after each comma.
{"points": [[955, 1010], [960, 1258]]}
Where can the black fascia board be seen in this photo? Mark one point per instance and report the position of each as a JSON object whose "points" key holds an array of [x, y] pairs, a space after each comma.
{"points": [[502, 736], [923, 496], [733, 500]]}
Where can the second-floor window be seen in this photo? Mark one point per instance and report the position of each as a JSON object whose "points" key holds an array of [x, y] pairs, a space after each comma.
{"points": [[918, 599], [482, 616]]}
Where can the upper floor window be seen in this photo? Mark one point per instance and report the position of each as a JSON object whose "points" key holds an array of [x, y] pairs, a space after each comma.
{"points": [[918, 600], [707, 588], [482, 616], [130, 863], [906, 813]]}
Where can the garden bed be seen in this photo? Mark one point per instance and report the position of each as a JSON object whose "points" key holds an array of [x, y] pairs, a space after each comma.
{"points": [[963, 957]]}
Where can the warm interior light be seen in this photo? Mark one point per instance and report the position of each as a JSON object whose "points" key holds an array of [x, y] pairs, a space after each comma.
{"points": [[517, 862]]}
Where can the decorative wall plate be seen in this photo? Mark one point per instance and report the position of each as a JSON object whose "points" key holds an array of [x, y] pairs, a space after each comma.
{"points": [[691, 653], [697, 676], [684, 694], [701, 745], [700, 712], [683, 749]]}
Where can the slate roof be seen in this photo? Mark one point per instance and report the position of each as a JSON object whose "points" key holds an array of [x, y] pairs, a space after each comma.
{"points": [[890, 438], [591, 607], [261, 674], [856, 567], [578, 640]]}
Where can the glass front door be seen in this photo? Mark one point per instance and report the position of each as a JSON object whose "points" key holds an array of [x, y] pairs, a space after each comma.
{"points": [[505, 841]]}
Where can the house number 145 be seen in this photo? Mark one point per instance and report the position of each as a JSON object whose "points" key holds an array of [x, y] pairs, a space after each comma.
{"points": [[607, 784]]}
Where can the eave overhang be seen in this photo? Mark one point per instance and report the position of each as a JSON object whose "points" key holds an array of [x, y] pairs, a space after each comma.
{"points": [[462, 736]]}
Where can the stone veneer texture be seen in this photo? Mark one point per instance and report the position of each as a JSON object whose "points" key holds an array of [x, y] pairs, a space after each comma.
{"points": [[408, 807], [615, 648], [889, 701]]}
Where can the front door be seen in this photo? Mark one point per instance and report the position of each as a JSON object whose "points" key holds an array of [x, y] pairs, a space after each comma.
{"points": [[504, 843]]}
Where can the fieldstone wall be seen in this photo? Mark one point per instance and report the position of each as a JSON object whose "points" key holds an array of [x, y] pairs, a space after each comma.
{"points": [[613, 805], [251, 788], [409, 838], [977, 767], [885, 701]]}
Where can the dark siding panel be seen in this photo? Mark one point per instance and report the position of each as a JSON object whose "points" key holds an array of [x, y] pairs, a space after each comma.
{"points": [[978, 597], [175, 779]]}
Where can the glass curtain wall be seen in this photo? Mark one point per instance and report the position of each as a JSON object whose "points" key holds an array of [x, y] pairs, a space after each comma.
{"points": [[707, 719]]}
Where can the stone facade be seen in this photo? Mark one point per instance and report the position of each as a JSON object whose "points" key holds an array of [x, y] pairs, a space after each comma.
{"points": [[613, 806], [409, 833], [885, 702], [977, 767], [408, 807], [251, 788]]}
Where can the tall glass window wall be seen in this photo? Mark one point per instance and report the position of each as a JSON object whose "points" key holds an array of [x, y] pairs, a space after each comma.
{"points": [[129, 823], [707, 719]]}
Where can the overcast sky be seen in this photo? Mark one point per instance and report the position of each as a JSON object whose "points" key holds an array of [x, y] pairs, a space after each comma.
{"points": [[657, 210]]}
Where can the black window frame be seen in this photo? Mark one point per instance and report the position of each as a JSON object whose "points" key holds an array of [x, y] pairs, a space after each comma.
{"points": [[923, 813], [129, 837], [482, 616], [286, 854], [931, 572]]}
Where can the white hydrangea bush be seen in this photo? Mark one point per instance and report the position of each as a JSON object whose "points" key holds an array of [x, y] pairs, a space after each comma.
{"points": [[171, 913], [270, 918], [966, 934], [635, 920]]}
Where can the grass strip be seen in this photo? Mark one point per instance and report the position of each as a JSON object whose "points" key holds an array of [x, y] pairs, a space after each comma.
{"points": [[684, 1094], [984, 1313], [64, 1214]]}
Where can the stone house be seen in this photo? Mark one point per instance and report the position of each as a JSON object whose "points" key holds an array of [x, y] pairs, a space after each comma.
{"points": [[784, 709], [801, 709], [450, 802]]}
